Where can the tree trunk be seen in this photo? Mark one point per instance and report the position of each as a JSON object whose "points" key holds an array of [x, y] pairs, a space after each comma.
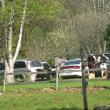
{"points": [[10, 59], [8, 78], [20, 33], [2, 2]]}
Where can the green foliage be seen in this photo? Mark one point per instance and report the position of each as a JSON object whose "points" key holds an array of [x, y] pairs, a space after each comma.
{"points": [[52, 27], [107, 36], [14, 7], [44, 9], [42, 19]]}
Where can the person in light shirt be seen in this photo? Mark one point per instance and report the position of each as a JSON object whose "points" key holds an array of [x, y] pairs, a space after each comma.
{"points": [[63, 60], [102, 59]]}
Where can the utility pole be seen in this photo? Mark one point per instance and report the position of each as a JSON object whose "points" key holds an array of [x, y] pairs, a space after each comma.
{"points": [[84, 83]]}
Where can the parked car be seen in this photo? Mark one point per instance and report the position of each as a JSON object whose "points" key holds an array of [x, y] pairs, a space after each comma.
{"points": [[22, 66], [2, 67], [25, 66], [71, 68], [46, 74], [108, 55], [46, 66], [28, 66]]}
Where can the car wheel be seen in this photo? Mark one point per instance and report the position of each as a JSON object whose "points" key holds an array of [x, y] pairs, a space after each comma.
{"points": [[19, 78]]}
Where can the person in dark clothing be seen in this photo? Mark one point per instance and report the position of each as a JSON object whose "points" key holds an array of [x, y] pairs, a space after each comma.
{"points": [[91, 61]]}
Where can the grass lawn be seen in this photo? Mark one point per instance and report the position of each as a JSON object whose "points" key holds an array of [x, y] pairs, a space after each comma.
{"points": [[35, 97]]}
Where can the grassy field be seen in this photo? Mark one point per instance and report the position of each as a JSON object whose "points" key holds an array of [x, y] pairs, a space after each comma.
{"points": [[42, 95]]}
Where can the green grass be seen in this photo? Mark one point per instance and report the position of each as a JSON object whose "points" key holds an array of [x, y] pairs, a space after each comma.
{"points": [[30, 96]]}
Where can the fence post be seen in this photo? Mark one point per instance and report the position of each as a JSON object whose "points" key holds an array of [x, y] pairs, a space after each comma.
{"points": [[57, 70], [84, 83]]}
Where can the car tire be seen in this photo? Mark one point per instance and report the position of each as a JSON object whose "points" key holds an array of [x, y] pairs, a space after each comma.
{"points": [[19, 78]]}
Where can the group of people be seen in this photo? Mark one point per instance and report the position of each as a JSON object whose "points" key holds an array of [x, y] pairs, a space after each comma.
{"points": [[93, 61]]}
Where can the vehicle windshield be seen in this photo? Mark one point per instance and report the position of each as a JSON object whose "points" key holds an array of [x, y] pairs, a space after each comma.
{"points": [[108, 55], [35, 64], [2, 66], [19, 64], [46, 66], [73, 62]]}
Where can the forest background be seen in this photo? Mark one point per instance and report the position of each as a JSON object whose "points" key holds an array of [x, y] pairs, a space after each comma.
{"points": [[55, 28]]}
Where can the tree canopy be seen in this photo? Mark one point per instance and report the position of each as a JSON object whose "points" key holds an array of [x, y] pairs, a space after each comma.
{"points": [[58, 27]]}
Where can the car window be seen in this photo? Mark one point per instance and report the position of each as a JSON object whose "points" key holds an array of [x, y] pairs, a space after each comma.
{"points": [[19, 64], [108, 55], [46, 66], [67, 63], [75, 62], [2, 66], [35, 64]]}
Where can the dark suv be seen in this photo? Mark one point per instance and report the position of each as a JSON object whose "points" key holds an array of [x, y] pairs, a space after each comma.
{"points": [[46, 73]]}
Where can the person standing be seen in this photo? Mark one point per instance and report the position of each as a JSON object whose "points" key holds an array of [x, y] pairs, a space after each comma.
{"points": [[91, 61], [63, 60], [102, 59]]}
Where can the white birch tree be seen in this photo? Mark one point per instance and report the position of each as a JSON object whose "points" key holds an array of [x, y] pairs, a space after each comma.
{"points": [[10, 57], [2, 3]]}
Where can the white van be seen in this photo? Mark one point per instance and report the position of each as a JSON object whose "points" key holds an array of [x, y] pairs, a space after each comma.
{"points": [[28, 66], [25, 66], [21, 67]]}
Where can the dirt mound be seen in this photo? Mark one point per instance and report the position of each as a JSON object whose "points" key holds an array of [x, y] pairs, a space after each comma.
{"points": [[69, 89], [72, 89], [94, 89], [52, 90], [1, 94], [77, 89], [106, 107], [48, 90]]}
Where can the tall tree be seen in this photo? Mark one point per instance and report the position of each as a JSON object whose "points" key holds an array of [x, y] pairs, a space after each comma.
{"points": [[107, 36], [11, 56]]}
